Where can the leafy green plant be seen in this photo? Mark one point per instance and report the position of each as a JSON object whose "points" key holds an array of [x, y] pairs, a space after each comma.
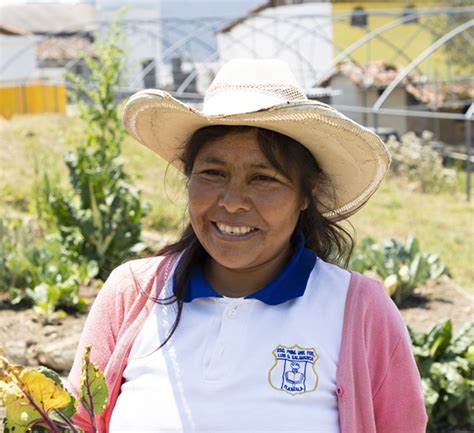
{"points": [[416, 161], [41, 271], [401, 266], [100, 216], [35, 399], [13, 238], [446, 364]]}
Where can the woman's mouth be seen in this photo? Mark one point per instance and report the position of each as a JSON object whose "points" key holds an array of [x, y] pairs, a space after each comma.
{"points": [[235, 231]]}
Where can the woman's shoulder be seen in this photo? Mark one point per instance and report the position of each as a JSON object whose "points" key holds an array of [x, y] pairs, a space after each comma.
{"points": [[368, 291], [138, 272], [368, 301], [141, 266]]}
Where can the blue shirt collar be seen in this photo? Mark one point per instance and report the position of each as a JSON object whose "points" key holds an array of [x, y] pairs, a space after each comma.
{"points": [[289, 284]]}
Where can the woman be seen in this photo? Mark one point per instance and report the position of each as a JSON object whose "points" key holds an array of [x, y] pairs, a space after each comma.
{"points": [[246, 323]]}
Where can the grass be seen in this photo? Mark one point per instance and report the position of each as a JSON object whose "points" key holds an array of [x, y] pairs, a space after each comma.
{"points": [[443, 223]]}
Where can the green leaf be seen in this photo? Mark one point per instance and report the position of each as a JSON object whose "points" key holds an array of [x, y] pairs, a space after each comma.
{"points": [[464, 341], [439, 338], [430, 395], [412, 246], [416, 270], [93, 391]]}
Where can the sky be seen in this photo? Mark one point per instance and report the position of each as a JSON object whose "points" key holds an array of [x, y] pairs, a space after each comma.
{"points": [[173, 8], [190, 10]]}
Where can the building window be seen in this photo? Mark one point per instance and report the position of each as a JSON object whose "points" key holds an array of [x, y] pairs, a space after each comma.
{"points": [[359, 17], [410, 10]]}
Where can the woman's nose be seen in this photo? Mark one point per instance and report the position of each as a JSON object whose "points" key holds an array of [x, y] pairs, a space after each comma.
{"points": [[234, 197]]}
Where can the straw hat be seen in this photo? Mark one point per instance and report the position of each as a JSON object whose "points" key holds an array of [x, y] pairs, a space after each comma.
{"points": [[265, 94]]}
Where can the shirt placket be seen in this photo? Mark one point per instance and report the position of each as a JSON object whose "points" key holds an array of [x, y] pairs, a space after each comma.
{"points": [[221, 356]]}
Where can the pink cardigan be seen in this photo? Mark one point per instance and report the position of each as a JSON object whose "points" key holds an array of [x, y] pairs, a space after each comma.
{"points": [[378, 385]]}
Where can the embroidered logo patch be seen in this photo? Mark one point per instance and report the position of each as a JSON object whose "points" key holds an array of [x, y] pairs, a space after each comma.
{"points": [[293, 371]]}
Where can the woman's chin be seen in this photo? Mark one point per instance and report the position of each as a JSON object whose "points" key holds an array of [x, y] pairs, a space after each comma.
{"points": [[235, 262]]}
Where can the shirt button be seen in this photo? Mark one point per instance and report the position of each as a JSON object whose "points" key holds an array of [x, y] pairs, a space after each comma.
{"points": [[232, 313], [339, 391]]}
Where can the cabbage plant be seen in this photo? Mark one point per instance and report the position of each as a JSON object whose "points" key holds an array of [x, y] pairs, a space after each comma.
{"points": [[401, 265], [446, 365]]}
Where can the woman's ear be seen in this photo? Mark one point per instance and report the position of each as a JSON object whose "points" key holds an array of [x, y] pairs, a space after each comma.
{"points": [[304, 204]]}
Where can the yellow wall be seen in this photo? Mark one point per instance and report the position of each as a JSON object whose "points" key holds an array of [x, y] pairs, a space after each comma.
{"points": [[32, 98], [411, 38]]}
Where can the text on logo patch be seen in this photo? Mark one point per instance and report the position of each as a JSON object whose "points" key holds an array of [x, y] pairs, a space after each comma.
{"points": [[293, 371]]}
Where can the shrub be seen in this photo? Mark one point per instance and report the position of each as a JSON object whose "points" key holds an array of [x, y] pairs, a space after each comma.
{"points": [[402, 266], [99, 217], [446, 365], [415, 160]]}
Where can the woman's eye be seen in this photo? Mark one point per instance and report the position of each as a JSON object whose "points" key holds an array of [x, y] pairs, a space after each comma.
{"points": [[264, 178], [212, 173]]}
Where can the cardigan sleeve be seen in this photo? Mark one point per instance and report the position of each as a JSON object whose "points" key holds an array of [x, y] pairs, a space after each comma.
{"points": [[398, 402], [396, 386], [100, 330], [379, 385]]}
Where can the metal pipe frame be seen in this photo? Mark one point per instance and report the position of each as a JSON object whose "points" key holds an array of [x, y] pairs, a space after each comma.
{"points": [[421, 57]]}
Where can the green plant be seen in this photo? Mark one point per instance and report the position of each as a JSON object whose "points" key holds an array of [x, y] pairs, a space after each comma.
{"points": [[36, 401], [416, 161], [402, 266], [446, 365], [13, 238], [100, 216], [41, 271]]}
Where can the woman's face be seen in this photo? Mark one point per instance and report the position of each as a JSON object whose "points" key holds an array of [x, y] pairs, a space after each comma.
{"points": [[241, 209]]}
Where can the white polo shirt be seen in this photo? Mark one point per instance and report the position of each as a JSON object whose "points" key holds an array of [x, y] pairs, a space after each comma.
{"points": [[265, 363]]}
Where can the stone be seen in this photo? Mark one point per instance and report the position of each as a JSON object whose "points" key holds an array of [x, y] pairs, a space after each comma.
{"points": [[58, 355], [15, 351]]}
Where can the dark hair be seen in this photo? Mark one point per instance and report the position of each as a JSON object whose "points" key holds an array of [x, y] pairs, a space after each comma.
{"points": [[330, 241]]}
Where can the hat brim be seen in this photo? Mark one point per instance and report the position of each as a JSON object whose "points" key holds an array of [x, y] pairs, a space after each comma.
{"points": [[353, 158]]}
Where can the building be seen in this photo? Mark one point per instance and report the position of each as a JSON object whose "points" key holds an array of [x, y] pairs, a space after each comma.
{"points": [[360, 86], [140, 23], [22, 89], [455, 96], [354, 86], [300, 34], [315, 35], [47, 38]]}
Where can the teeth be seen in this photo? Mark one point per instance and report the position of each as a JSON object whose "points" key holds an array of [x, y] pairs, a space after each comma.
{"points": [[234, 230]]}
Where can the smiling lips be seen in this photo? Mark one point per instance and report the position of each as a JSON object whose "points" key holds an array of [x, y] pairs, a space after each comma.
{"points": [[234, 230]]}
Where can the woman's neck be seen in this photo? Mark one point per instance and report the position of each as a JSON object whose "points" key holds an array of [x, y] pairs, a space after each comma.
{"points": [[237, 283]]}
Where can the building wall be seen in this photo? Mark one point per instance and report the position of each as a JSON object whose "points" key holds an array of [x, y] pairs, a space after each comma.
{"points": [[397, 99], [448, 131], [353, 95], [142, 38], [32, 98], [17, 58], [20, 92], [299, 34], [411, 39]]}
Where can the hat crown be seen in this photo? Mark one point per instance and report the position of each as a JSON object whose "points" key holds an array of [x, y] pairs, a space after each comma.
{"points": [[246, 85]]}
